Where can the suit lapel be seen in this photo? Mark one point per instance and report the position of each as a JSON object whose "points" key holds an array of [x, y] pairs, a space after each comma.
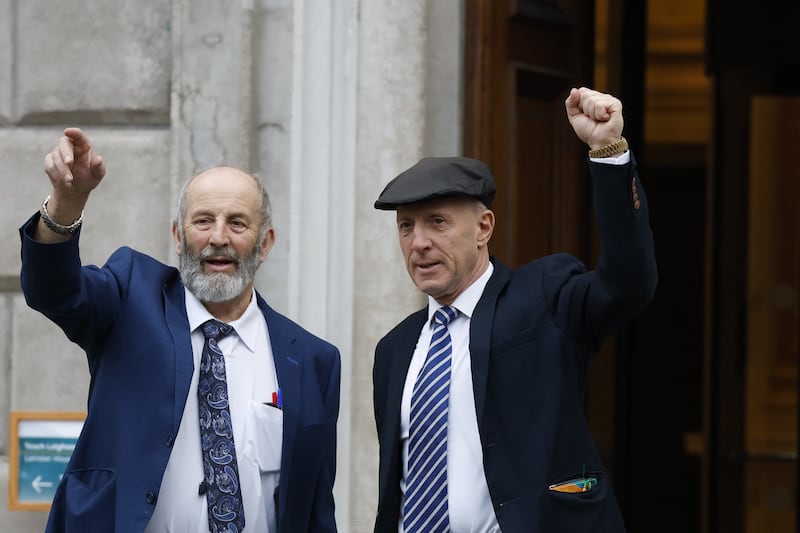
{"points": [[480, 335], [400, 360], [178, 324], [289, 370]]}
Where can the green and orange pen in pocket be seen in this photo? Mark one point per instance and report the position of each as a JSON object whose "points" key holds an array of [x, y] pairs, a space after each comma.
{"points": [[579, 484]]}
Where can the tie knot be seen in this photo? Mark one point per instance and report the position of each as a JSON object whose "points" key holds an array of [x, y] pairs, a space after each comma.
{"points": [[444, 315], [214, 329]]}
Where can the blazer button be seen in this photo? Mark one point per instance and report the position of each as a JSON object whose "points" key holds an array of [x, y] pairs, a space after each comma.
{"points": [[170, 441], [150, 498]]}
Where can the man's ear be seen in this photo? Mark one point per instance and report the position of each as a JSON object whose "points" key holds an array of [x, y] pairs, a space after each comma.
{"points": [[267, 243], [176, 236], [485, 227]]}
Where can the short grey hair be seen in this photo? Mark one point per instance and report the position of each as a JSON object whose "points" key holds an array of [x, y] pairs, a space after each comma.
{"points": [[264, 207]]}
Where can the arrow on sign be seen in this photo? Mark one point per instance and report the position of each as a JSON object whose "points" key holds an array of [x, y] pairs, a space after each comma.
{"points": [[38, 484]]}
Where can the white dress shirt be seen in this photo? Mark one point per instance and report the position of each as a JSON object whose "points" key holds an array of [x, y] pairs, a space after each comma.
{"points": [[257, 430], [470, 506]]}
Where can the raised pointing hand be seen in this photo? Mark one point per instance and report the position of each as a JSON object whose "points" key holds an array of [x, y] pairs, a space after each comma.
{"points": [[74, 170], [73, 166]]}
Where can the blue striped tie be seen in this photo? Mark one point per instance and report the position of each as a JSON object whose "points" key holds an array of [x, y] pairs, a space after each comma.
{"points": [[425, 509]]}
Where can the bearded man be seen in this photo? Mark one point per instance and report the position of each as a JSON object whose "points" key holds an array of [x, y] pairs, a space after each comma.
{"points": [[207, 409]]}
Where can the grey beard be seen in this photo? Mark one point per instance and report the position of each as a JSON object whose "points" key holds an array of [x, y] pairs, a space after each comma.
{"points": [[218, 286]]}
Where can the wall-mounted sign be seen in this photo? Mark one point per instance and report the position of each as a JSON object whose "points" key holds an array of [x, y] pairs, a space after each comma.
{"points": [[41, 444]]}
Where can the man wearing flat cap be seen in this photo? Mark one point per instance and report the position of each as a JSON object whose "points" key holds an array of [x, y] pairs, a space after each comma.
{"points": [[479, 396]]}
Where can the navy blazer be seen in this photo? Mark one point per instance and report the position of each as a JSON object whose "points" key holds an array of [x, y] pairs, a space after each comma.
{"points": [[130, 318], [532, 335]]}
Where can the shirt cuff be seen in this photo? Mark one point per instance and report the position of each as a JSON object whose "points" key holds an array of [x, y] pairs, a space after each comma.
{"points": [[622, 159]]}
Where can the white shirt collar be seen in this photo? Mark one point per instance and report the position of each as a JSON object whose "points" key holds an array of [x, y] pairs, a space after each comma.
{"points": [[467, 300], [246, 326]]}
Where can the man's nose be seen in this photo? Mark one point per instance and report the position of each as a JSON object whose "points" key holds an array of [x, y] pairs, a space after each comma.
{"points": [[219, 233], [420, 239]]}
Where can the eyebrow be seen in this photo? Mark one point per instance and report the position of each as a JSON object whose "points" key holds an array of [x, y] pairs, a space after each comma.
{"points": [[214, 214]]}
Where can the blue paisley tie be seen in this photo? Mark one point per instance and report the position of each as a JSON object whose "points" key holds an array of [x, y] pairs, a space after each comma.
{"points": [[223, 493]]}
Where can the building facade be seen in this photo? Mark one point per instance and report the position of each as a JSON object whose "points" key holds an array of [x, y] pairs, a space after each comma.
{"points": [[326, 101]]}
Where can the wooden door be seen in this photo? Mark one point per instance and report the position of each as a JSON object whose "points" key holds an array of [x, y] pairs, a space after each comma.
{"points": [[752, 302], [522, 57]]}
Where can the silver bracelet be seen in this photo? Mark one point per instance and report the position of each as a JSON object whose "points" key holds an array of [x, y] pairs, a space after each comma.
{"points": [[54, 226]]}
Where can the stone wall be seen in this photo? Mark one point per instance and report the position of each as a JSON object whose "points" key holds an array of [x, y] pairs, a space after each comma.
{"points": [[327, 101]]}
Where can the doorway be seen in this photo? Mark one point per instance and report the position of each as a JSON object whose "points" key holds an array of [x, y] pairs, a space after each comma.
{"points": [[699, 431], [653, 53]]}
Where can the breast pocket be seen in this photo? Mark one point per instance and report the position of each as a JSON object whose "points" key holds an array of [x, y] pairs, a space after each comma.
{"points": [[264, 437], [263, 448]]}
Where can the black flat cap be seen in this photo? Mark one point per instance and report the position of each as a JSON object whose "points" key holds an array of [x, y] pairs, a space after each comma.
{"points": [[436, 177]]}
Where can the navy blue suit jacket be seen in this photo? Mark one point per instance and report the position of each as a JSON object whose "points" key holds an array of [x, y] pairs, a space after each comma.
{"points": [[130, 318], [531, 339]]}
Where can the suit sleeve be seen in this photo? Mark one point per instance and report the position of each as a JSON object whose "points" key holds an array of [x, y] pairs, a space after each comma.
{"points": [[592, 305], [80, 300]]}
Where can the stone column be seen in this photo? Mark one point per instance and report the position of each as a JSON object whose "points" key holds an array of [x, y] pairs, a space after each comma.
{"points": [[390, 137], [305, 141], [212, 101], [409, 105]]}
